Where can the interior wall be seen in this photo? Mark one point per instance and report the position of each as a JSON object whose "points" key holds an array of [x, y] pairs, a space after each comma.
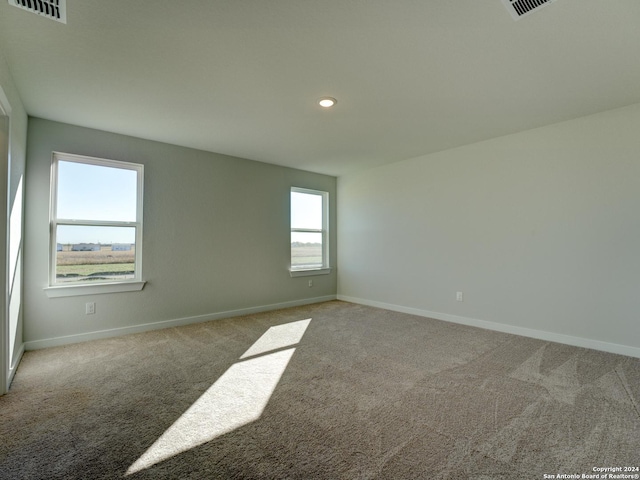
{"points": [[12, 189], [215, 238], [539, 230]]}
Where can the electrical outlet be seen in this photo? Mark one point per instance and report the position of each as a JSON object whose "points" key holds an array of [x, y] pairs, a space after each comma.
{"points": [[459, 297], [90, 308], [310, 283]]}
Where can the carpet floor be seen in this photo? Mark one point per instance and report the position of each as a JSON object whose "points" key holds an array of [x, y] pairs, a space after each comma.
{"points": [[327, 391]]}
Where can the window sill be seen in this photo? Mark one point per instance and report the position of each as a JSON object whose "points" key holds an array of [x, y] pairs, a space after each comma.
{"points": [[76, 290], [308, 273]]}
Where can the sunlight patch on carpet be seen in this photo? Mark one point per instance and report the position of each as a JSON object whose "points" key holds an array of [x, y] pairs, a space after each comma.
{"points": [[237, 398], [279, 336]]}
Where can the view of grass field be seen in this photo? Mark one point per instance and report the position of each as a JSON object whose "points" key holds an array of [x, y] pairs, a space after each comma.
{"points": [[104, 264], [306, 254], [107, 264]]}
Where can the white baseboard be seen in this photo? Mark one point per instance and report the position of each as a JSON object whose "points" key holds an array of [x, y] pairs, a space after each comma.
{"points": [[501, 327], [116, 332]]}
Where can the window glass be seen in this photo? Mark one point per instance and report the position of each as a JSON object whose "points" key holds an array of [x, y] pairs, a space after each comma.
{"points": [[96, 192], [306, 250], [306, 210], [94, 253]]}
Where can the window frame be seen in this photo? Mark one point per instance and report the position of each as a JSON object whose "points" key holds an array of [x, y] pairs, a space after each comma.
{"points": [[324, 231], [56, 289]]}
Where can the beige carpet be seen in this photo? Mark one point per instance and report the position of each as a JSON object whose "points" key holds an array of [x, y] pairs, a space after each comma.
{"points": [[353, 393]]}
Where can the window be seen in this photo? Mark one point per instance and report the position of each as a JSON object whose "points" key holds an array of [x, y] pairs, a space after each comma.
{"points": [[96, 222], [309, 232]]}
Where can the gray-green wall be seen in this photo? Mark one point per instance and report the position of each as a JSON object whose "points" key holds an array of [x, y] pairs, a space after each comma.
{"points": [[540, 230], [216, 237]]}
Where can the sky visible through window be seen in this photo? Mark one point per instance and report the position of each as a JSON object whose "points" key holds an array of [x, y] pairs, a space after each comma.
{"points": [[306, 212], [96, 193], [100, 193]]}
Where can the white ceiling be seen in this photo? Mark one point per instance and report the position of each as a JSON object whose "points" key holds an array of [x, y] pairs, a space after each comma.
{"points": [[242, 77]]}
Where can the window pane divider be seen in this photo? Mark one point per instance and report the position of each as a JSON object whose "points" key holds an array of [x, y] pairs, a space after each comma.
{"points": [[96, 223], [307, 230]]}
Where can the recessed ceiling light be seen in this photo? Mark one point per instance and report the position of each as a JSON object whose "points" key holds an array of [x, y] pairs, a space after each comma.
{"points": [[327, 102]]}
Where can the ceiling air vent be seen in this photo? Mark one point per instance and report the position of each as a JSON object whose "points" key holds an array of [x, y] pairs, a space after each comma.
{"points": [[53, 9], [521, 8]]}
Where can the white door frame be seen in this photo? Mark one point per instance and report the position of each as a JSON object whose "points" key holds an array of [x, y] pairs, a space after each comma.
{"points": [[5, 154]]}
